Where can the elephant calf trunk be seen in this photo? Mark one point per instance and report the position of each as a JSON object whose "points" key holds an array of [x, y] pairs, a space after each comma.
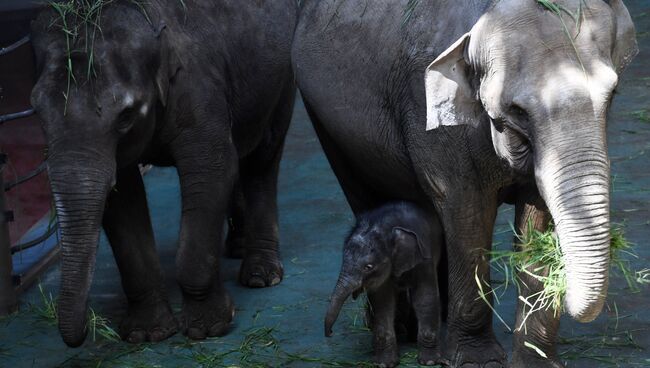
{"points": [[344, 288]]}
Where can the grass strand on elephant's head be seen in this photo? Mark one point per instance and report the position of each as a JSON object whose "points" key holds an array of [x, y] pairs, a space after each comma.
{"points": [[82, 18], [409, 10], [558, 9]]}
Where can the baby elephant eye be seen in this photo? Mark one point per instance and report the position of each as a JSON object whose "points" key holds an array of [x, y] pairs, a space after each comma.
{"points": [[369, 266]]}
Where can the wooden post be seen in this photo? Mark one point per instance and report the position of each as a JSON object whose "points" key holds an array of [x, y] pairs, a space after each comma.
{"points": [[8, 301]]}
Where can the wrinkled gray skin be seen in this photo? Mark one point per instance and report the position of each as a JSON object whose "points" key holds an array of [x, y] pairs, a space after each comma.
{"points": [[512, 117], [396, 246], [208, 89]]}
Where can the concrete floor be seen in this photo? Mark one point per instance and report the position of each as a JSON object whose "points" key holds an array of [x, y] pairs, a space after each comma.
{"points": [[283, 326]]}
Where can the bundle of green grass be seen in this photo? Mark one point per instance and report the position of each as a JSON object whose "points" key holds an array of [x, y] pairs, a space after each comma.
{"points": [[540, 257]]}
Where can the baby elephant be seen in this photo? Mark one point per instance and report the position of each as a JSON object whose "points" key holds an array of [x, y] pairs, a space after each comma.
{"points": [[392, 248]]}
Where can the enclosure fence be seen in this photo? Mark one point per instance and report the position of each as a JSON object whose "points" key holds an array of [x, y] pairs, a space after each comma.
{"points": [[8, 283]]}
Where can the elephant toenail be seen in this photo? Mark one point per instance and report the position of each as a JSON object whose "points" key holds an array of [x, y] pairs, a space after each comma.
{"points": [[256, 281], [196, 333], [157, 335], [137, 336]]}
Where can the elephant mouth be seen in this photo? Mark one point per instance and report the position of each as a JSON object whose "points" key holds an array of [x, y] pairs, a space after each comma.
{"points": [[356, 293]]}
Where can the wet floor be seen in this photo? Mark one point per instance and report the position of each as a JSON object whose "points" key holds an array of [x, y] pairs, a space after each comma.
{"points": [[283, 325]]}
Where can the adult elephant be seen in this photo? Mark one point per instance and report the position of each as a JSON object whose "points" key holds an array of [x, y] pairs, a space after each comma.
{"points": [[461, 106], [203, 85]]}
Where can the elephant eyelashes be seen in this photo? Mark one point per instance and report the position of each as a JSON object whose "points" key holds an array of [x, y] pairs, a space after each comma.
{"points": [[519, 119], [518, 113], [125, 120]]}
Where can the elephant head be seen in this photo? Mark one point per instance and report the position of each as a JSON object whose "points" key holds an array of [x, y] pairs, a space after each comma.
{"points": [[99, 90], [371, 255], [544, 82]]}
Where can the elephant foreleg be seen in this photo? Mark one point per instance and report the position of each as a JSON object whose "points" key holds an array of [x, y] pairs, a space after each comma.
{"points": [[382, 302], [426, 303], [468, 222], [541, 328], [207, 168], [128, 228]]}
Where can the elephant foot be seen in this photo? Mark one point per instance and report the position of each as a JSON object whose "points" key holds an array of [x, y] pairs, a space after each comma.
{"points": [[260, 268], [148, 322], [429, 356], [524, 357], [387, 358], [210, 316], [475, 352]]}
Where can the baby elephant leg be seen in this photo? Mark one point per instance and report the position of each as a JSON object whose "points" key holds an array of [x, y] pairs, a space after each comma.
{"points": [[426, 303], [382, 302]]}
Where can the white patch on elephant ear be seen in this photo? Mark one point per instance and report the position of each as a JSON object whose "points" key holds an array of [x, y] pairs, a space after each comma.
{"points": [[450, 100], [625, 47]]}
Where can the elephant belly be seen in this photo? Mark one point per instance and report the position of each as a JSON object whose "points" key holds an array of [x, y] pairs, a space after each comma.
{"points": [[371, 154]]}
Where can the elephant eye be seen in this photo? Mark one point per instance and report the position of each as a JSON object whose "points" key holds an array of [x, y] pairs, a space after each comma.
{"points": [[125, 120], [369, 267], [519, 115], [518, 111]]}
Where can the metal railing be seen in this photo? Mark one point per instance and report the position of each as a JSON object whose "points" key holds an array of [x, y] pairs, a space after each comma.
{"points": [[8, 290]]}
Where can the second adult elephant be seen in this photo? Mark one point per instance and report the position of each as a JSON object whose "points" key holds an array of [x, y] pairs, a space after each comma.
{"points": [[513, 109], [203, 85]]}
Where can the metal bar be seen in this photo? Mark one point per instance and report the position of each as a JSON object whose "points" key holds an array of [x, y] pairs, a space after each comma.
{"points": [[14, 46], [16, 115], [28, 279], [7, 292], [34, 173], [32, 243]]}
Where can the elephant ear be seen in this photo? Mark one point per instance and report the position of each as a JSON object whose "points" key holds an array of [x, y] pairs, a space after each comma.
{"points": [[625, 47], [450, 97], [408, 251], [169, 64]]}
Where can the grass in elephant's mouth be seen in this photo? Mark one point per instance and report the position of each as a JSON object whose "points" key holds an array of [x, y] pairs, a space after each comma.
{"points": [[539, 257]]}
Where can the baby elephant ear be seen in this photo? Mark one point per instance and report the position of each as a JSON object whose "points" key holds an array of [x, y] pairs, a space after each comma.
{"points": [[625, 48], [450, 98], [408, 251]]}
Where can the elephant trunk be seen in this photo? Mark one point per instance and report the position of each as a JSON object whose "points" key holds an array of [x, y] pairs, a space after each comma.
{"points": [[574, 182], [80, 186], [345, 286]]}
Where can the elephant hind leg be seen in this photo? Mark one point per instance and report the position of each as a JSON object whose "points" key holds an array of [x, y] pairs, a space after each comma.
{"points": [[261, 265]]}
